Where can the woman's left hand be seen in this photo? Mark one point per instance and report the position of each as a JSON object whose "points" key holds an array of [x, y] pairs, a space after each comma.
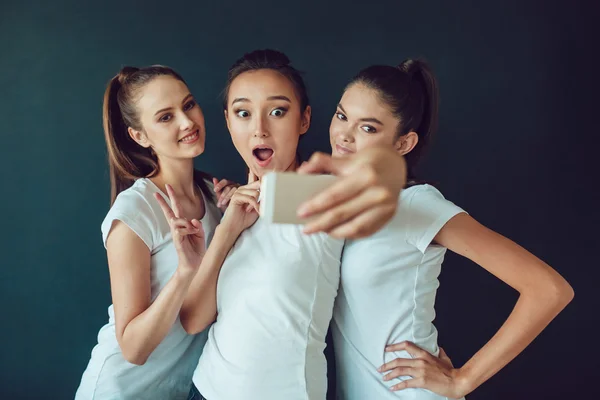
{"points": [[436, 374]]}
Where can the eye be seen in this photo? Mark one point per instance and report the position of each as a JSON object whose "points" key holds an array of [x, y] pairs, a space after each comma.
{"points": [[368, 129], [279, 112], [189, 105], [340, 116], [242, 113], [165, 118]]}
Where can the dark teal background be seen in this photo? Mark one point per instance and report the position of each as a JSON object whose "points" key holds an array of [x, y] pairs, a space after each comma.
{"points": [[518, 113]]}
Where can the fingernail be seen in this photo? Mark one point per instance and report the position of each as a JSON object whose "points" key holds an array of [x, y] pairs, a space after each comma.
{"points": [[387, 349]]}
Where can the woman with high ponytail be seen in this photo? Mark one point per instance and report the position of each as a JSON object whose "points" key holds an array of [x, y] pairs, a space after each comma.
{"points": [[153, 129], [385, 342]]}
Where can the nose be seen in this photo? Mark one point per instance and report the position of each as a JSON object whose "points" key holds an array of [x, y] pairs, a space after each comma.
{"points": [[346, 135], [261, 129], [186, 123]]}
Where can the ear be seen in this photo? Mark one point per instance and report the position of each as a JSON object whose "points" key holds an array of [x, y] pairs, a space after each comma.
{"points": [[305, 123], [138, 136], [226, 119], [406, 143]]}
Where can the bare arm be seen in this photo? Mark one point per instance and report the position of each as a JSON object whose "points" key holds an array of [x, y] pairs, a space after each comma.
{"points": [[200, 306], [140, 324], [543, 294]]}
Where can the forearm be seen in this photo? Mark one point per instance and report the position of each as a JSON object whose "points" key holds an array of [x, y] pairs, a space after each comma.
{"points": [[145, 332], [534, 310], [200, 305]]}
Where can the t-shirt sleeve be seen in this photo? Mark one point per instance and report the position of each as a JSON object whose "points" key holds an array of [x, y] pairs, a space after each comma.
{"points": [[133, 210], [428, 212]]}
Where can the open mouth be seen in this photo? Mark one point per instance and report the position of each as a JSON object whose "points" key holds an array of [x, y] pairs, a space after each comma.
{"points": [[191, 138], [263, 155]]}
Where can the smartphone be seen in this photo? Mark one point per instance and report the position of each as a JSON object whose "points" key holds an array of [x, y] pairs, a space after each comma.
{"points": [[281, 193]]}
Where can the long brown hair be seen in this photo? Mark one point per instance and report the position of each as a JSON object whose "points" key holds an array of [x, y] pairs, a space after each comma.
{"points": [[128, 160]]}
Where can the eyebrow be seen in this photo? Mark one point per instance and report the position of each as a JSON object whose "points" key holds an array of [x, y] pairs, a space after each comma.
{"points": [[169, 108], [374, 120], [245, 100]]}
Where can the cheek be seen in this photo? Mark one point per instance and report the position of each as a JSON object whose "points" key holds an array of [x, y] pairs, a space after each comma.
{"points": [[366, 140], [198, 117], [337, 128], [239, 137]]}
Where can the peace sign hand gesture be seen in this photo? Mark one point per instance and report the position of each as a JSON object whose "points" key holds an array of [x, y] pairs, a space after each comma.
{"points": [[188, 236]]}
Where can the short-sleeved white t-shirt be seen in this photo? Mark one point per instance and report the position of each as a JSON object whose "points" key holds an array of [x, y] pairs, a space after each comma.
{"points": [[275, 298], [167, 374], [387, 295]]}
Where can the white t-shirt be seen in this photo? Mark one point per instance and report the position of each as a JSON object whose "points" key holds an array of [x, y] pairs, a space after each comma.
{"points": [[275, 298], [387, 295], [167, 374]]}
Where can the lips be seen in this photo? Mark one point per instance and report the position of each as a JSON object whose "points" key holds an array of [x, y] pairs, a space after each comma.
{"points": [[263, 154], [343, 150], [191, 138]]}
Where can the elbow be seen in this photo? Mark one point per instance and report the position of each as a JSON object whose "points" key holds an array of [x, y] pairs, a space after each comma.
{"points": [[133, 355], [557, 292], [565, 293]]}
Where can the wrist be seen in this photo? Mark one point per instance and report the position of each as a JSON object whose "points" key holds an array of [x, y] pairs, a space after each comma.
{"points": [[184, 274], [464, 384], [226, 231]]}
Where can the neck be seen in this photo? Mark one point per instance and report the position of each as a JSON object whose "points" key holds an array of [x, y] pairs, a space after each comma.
{"points": [[177, 173]]}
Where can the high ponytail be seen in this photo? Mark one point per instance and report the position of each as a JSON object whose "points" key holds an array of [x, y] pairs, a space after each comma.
{"points": [[410, 90]]}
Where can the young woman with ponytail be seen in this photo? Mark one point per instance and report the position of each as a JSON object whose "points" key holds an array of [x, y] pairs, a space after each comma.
{"points": [[153, 129], [385, 342]]}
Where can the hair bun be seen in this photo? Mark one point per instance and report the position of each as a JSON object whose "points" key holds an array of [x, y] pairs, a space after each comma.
{"points": [[125, 73]]}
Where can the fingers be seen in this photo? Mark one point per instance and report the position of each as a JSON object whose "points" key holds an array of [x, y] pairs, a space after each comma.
{"points": [[251, 176], [215, 182], [343, 212], [401, 363], [444, 357], [409, 383], [337, 193], [226, 196], [247, 200], [169, 214], [344, 189], [199, 228], [364, 224], [174, 201], [223, 183], [412, 349], [321, 163]]}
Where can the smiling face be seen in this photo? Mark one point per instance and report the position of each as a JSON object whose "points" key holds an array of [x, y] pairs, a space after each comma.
{"points": [[172, 122], [361, 120], [265, 120]]}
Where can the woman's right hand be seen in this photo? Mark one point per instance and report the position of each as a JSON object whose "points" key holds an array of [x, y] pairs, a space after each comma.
{"points": [[188, 236], [243, 208]]}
